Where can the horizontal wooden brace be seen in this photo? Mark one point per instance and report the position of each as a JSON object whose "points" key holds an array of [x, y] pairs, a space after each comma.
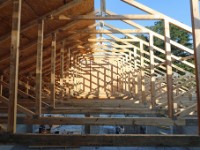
{"points": [[108, 17], [111, 31], [103, 110], [101, 140], [100, 103], [151, 121]]}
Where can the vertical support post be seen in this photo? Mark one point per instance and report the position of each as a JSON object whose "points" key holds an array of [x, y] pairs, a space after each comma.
{"points": [[69, 74], [196, 36], [142, 72], [90, 75], [39, 68], [136, 89], [117, 76], [14, 64], [129, 74], [1, 87], [105, 79], [53, 69], [62, 70], [98, 83], [103, 7], [152, 71], [169, 70], [111, 77], [27, 87], [87, 127]]}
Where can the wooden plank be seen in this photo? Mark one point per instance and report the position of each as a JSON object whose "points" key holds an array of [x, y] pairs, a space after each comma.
{"points": [[112, 40], [62, 70], [149, 121], [152, 71], [53, 69], [169, 70], [196, 37], [100, 103], [90, 76], [103, 7], [39, 68], [136, 87], [104, 110], [110, 31], [1, 86], [142, 73], [110, 17], [102, 140], [14, 62]]}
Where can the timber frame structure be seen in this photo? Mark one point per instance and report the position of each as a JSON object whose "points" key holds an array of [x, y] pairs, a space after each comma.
{"points": [[62, 57]]}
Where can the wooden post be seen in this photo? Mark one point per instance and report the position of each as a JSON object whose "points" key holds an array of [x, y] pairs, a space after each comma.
{"points": [[27, 87], [169, 70], [87, 127], [152, 63], [143, 100], [129, 74], [136, 89], [104, 79], [1, 87], [90, 75], [69, 74], [53, 69], [39, 68], [98, 83], [14, 64], [62, 70], [103, 7], [196, 37], [111, 77], [117, 76]]}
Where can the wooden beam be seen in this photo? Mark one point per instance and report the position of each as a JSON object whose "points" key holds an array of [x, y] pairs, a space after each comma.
{"points": [[169, 70], [109, 17], [109, 31], [103, 7], [100, 103], [196, 36], [152, 71], [14, 63], [53, 69], [1, 86], [143, 100], [102, 140], [136, 88], [149, 121], [104, 110], [62, 70], [39, 68], [112, 40]]}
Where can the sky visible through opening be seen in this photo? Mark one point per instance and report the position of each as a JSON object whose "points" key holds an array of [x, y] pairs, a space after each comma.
{"points": [[176, 9]]}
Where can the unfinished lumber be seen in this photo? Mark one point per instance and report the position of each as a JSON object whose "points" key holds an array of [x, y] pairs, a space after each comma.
{"points": [[14, 64]]}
